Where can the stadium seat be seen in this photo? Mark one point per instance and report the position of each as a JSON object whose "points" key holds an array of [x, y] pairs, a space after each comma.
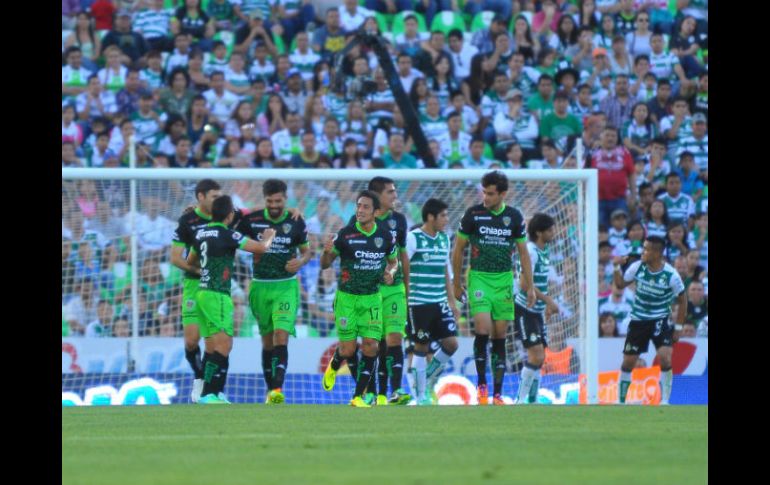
{"points": [[383, 21], [446, 21], [398, 22], [482, 20]]}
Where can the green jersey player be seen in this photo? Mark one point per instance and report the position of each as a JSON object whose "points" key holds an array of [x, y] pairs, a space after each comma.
{"points": [[493, 231], [657, 285], [274, 291], [363, 248], [214, 250]]}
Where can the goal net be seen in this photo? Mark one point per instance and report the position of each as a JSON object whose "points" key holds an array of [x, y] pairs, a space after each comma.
{"points": [[122, 298]]}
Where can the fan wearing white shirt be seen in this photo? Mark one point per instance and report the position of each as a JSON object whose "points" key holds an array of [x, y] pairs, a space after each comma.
{"points": [[352, 16], [406, 73], [220, 102], [461, 54]]}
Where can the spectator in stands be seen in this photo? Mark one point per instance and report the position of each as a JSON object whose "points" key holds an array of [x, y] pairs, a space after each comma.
{"points": [[181, 157], [607, 326], [190, 19], [308, 157], [697, 304], [222, 13], [154, 23], [177, 98], [541, 103], [132, 45], [295, 95], [606, 32], [484, 39], [616, 175], [524, 41], [560, 124], [330, 38], [461, 54], [103, 12], [685, 44], [253, 34], [220, 102], [695, 272], [287, 142], [264, 158], [620, 59], [638, 40], [128, 97], [678, 205], [86, 39], [330, 142], [692, 184], [70, 130], [639, 131], [352, 16], [697, 143], [666, 65], [74, 77], [82, 308], [175, 129], [678, 244], [95, 101], [293, 16], [617, 107], [515, 125], [398, 157], [406, 73], [152, 75]]}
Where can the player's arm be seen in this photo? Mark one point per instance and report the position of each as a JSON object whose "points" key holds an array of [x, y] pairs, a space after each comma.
{"points": [[330, 252], [450, 294], [461, 240], [305, 254], [623, 280], [259, 247], [193, 262], [177, 251], [526, 280], [392, 266]]}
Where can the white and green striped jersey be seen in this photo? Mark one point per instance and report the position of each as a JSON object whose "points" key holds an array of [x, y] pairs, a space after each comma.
{"points": [[484, 163], [384, 96], [619, 309], [541, 262], [679, 208], [114, 81], [685, 130], [77, 78], [147, 128], [247, 6], [454, 150], [355, 129], [523, 129], [237, 79], [627, 248], [615, 235], [259, 71], [492, 103], [213, 64], [304, 62], [659, 177], [433, 127], [153, 23], [654, 291], [428, 263], [153, 79], [699, 149], [336, 105], [286, 145], [662, 65], [654, 229], [221, 106], [290, 6]]}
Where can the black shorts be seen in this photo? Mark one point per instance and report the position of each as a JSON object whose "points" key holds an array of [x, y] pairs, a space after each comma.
{"points": [[529, 327], [640, 332], [430, 322]]}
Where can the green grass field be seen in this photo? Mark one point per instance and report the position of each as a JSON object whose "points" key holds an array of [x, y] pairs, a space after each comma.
{"points": [[257, 444]]}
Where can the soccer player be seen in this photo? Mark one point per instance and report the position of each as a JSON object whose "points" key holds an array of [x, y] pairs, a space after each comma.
{"points": [[391, 358], [530, 324], [274, 291], [432, 309], [214, 250], [657, 284], [493, 231], [206, 191], [363, 247]]}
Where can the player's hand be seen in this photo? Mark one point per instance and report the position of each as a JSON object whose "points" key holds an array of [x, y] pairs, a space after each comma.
{"points": [[293, 265], [267, 236], [677, 335], [551, 308], [189, 209], [389, 277], [295, 213], [329, 243], [621, 260], [531, 297], [455, 311], [459, 291]]}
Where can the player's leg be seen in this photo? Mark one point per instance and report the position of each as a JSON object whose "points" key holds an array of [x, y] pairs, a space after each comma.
{"points": [[419, 330], [503, 314], [530, 326], [216, 310], [259, 300], [663, 338], [368, 315], [192, 336], [345, 324], [394, 323], [637, 340], [443, 329], [284, 313], [480, 302]]}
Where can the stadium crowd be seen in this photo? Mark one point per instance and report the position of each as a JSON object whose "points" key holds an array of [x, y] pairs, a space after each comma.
{"points": [[249, 83]]}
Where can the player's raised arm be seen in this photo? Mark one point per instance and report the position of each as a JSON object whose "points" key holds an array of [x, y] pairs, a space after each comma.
{"points": [[259, 247], [330, 252], [622, 280]]}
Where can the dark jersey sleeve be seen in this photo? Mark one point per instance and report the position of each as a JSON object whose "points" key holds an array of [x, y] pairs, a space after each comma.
{"points": [[242, 225], [339, 245], [300, 233], [235, 239], [392, 249], [467, 224], [182, 234], [520, 230], [401, 232]]}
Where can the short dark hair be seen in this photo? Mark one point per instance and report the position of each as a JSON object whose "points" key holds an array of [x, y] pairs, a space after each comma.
{"points": [[433, 207], [453, 114], [221, 208], [377, 184], [540, 222], [205, 186], [658, 242], [273, 186], [604, 244], [672, 175], [545, 77], [496, 178], [643, 186], [641, 57], [664, 82], [369, 195], [456, 33], [658, 140]]}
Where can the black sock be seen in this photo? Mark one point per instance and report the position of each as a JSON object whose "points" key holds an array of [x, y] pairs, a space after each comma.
{"points": [[220, 376], [353, 366], [367, 368], [498, 363], [337, 360], [279, 363], [480, 356], [383, 369], [209, 369], [395, 366], [267, 371], [194, 358]]}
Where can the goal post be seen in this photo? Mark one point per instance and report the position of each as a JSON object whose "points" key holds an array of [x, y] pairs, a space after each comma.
{"points": [[132, 200]]}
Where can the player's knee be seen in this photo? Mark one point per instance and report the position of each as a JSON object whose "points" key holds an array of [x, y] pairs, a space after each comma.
{"points": [[280, 337], [370, 347], [393, 339], [536, 355], [449, 345], [422, 348]]}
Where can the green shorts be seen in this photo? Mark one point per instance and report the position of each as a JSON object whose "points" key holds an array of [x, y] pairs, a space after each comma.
{"points": [[358, 316], [393, 309], [215, 313], [189, 311], [491, 293], [274, 304]]}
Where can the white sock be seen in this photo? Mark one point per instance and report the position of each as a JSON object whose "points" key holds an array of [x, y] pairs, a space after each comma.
{"points": [[441, 357], [666, 379], [410, 378], [419, 364], [527, 376]]}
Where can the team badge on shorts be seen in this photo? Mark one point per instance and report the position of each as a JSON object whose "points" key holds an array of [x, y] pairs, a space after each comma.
{"points": [[343, 322], [478, 294], [533, 338], [506, 220], [190, 304], [286, 228], [378, 242]]}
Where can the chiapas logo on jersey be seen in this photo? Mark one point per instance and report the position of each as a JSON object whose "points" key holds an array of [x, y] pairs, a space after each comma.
{"points": [[506, 220], [392, 224], [286, 228], [378, 242]]}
